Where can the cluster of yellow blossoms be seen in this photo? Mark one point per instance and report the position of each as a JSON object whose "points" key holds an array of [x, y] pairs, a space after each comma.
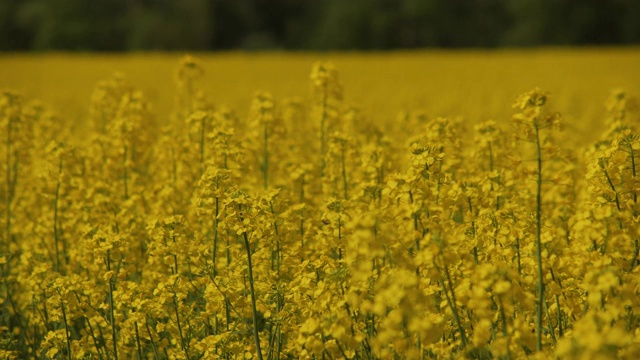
{"points": [[306, 231]]}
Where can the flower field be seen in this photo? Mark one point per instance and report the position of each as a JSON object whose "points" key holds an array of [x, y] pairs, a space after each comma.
{"points": [[321, 210]]}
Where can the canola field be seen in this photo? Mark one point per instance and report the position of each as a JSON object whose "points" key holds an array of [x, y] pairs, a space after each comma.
{"points": [[418, 205]]}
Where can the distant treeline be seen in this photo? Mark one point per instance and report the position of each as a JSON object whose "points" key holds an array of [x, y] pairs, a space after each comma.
{"points": [[117, 25]]}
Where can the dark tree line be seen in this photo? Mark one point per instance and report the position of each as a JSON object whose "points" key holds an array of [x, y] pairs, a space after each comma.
{"points": [[116, 25]]}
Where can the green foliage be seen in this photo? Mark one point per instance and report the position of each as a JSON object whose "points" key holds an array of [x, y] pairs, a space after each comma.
{"points": [[322, 24]]}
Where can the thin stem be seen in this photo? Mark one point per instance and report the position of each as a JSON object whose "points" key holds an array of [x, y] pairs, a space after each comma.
{"points": [[215, 238], [560, 330], [613, 188], [153, 343], [473, 230], [183, 343], [112, 317], [103, 341], [279, 306], [254, 309], [228, 252], [550, 325], [635, 201], [503, 318], [451, 301], [339, 238], [540, 286], [175, 259], [519, 258], [125, 174], [633, 161], [301, 231], [9, 190], [95, 340], [56, 237], [278, 245], [66, 327], [138, 341], [323, 120]]}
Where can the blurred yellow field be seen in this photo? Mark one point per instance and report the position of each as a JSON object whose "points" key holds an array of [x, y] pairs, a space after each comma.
{"points": [[380, 84], [418, 205]]}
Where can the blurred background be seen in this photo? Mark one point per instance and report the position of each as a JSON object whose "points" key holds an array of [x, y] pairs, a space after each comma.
{"points": [[163, 25]]}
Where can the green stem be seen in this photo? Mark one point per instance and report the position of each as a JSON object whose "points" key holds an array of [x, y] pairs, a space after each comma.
{"points": [[540, 287], [473, 230], [560, 330], [66, 327], [56, 237], [278, 250], [153, 343], [439, 183], [111, 309], [95, 340], [550, 325], [451, 300], [183, 343], [254, 309], [503, 318], [635, 201], [519, 258], [279, 306], [9, 190], [138, 342], [633, 170], [613, 188], [339, 238], [215, 238], [125, 172]]}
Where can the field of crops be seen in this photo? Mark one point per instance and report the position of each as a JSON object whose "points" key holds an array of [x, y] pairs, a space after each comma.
{"points": [[337, 206]]}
